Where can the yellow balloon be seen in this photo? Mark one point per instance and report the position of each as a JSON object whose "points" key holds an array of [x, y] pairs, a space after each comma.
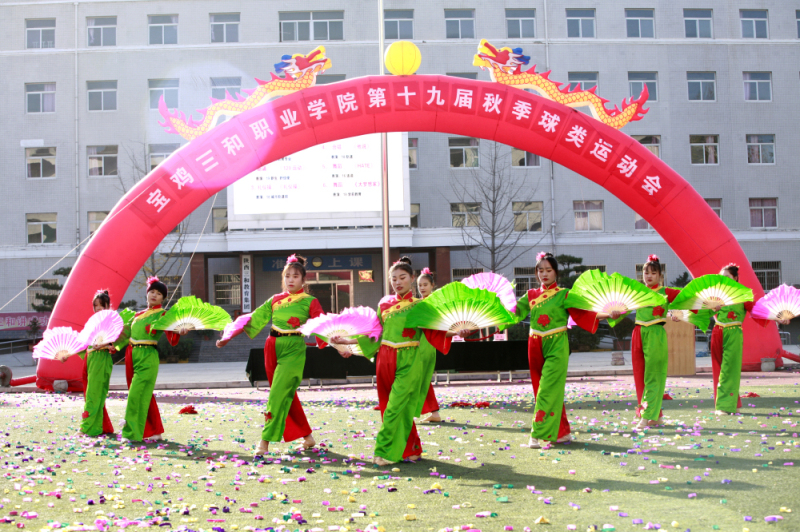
{"points": [[402, 58]]}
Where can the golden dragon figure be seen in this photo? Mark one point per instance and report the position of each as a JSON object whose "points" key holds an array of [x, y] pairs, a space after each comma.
{"points": [[505, 66], [300, 72]]}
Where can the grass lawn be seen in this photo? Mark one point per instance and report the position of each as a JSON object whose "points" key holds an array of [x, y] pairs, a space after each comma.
{"points": [[700, 472]]}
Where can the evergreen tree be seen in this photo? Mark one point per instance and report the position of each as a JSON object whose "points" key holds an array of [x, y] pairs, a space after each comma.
{"points": [[48, 301]]}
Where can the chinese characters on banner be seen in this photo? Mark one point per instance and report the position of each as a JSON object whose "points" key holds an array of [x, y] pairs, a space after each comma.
{"points": [[18, 321], [247, 287]]}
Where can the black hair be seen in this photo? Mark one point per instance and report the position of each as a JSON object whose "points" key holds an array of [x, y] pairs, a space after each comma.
{"points": [[733, 269], [103, 297], [299, 265], [403, 264], [547, 256], [653, 262], [158, 285]]}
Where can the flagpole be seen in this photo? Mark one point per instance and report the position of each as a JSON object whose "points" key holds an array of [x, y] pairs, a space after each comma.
{"points": [[384, 168]]}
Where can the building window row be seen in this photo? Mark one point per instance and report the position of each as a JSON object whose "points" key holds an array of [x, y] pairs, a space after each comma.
{"points": [[399, 24]]}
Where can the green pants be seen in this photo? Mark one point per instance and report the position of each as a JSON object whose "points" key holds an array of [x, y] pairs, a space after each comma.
{"points": [[549, 379], [98, 370], [427, 361], [288, 353], [652, 379], [730, 369], [398, 375], [140, 391]]}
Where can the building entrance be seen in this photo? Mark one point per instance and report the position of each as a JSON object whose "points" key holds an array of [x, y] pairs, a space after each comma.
{"points": [[333, 289]]}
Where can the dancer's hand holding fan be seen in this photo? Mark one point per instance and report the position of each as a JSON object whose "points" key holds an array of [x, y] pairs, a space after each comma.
{"points": [[457, 307], [780, 304], [190, 313], [351, 322], [613, 295], [496, 283], [234, 328], [711, 292], [58, 343], [102, 329], [700, 318]]}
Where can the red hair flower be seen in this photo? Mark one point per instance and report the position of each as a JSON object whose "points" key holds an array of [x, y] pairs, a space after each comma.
{"points": [[544, 320], [731, 315], [151, 280], [652, 258], [658, 312], [85, 414], [409, 333], [540, 255], [426, 271], [293, 321], [291, 258]]}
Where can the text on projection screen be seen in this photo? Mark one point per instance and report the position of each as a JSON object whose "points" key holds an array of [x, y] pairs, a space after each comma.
{"points": [[339, 176]]}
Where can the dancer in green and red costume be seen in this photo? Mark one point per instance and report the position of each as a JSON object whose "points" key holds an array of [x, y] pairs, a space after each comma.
{"points": [[399, 368], [426, 285], [285, 355], [96, 377], [727, 341], [548, 349], [649, 354], [142, 418]]}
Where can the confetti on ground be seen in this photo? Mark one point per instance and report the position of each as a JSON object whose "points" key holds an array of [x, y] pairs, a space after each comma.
{"points": [[697, 472]]}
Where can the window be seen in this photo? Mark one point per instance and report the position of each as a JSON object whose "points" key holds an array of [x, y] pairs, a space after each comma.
{"points": [[763, 212], [640, 270], [102, 161], [702, 86], [36, 288], [757, 86], [525, 279], [760, 149], [698, 23], [523, 159], [716, 205], [527, 215], [398, 23], [582, 81], [651, 142], [413, 154], [40, 97], [637, 81], [95, 219], [227, 289], [40, 33], [160, 152], [580, 23], [463, 152], [588, 215], [754, 23], [166, 88], [465, 75], [174, 288], [102, 31], [640, 224], [316, 26], [41, 228], [225, 27], [768, 274], [640, 23], [221, 87], [521, 23], [102, 95], [414, 215], [220, 219], [459, 274], [460, 23], [465, 214], [163, 29], [324, 79], [704, 149], [41, 162]]}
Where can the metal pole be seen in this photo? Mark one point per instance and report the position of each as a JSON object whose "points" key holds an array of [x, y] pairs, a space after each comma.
{"points": [[384, 169]]}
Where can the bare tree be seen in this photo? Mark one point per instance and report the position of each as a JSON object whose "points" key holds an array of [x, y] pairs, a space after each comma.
{"points": [[169, 262], [493, 235]]}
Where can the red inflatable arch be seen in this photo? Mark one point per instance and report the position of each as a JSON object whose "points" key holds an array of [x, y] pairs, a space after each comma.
{"points": [[211, 162]]}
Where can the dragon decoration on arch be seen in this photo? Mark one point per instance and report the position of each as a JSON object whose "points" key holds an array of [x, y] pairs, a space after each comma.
{"points": [[505, 67], [301, 71]]}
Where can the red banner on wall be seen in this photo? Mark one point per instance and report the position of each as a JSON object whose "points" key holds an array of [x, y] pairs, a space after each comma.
{"points": [[18, 321]]}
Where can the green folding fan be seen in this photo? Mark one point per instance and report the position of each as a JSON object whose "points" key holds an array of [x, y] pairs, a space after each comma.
{"points": [[193, 314], [456, 306], [709, 291], [615, 292], [588, 277], [701, 319], [127, 315]]}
